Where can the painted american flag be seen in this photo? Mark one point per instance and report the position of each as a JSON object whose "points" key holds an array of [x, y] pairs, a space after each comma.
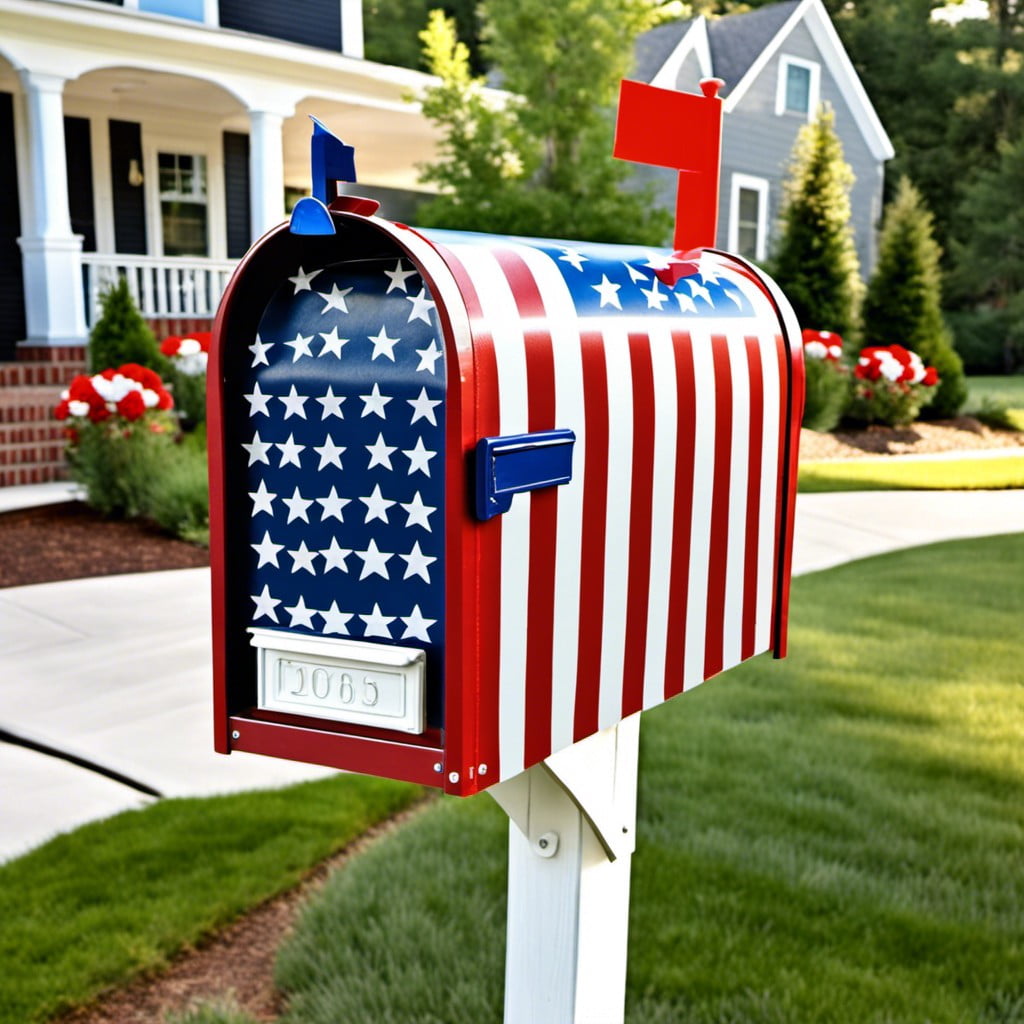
{"points": [[655, 568]]}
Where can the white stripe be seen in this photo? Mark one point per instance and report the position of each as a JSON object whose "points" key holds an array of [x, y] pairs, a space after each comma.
{"points": [[703, 493], [616, 552], [770, 447], [666, 406], [499, 308], [569, 414], [732, 640]]}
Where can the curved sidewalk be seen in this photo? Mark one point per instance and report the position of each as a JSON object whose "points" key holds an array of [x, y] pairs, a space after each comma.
{"points": [[115, 669]]}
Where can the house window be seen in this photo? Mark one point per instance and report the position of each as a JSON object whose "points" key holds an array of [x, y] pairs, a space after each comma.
{"points": [[204, 11], [798, 85], [748, 217], [183, 204]]}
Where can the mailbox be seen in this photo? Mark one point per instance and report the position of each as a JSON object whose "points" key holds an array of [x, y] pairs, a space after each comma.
{"points": [[474, 499]]}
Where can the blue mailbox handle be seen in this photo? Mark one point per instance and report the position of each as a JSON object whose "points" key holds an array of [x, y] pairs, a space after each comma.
{"points": [[520, 462]]}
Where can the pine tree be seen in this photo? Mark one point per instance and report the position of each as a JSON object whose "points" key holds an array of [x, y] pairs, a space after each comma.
{"points": [[903, 304], [815, 262], [542, 164], [120, 335]]}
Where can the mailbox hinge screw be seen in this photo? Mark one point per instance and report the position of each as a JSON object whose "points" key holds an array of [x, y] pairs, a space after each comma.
{"points": [[236, 735], [482, 769], [438, 767], [453, 777], [546, 845]]}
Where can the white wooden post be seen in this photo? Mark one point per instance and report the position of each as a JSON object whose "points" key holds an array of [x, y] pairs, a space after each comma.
{"points": [[571, 838]]}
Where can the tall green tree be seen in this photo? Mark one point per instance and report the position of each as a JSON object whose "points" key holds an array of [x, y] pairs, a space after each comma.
{"points": [[903, 304], [391, 30], [542, 164], [815, 261]]}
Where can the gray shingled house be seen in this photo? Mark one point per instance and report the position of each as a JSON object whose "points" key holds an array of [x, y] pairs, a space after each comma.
{"points": [[778, 64]]}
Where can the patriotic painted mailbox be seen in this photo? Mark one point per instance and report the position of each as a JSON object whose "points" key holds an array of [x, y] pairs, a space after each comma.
{"points": [[477, 498]]}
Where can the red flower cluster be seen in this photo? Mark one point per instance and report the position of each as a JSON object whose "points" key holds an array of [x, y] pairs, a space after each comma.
{"points": [[823, 345], [130, 392], [896, 364], [186, 344]]}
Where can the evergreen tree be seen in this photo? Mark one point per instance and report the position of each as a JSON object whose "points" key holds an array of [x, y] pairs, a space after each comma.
{"points": [[120, 335], [903, 304], [542, 164], [815, 262]]}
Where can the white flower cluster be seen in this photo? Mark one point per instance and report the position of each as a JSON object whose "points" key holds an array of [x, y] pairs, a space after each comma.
{"points": [[190, 358], [824, 348], [912, 370], [111, 391]]}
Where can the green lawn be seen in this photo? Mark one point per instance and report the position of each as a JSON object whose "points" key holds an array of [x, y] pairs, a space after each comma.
{"points": [[94, 907], [836, 838], [998, 472], [1005, 390]]}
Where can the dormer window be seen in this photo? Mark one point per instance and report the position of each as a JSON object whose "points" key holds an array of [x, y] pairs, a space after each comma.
{"points": [[797, 91]]}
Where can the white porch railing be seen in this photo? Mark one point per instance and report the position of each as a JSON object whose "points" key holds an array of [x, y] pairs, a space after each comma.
{"points": [[162, 286]]}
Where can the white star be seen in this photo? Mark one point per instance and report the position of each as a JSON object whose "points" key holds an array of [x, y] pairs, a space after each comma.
{"points": [[416, 563], [301, 615], [377, 623], [697, 290], [422, 304], [267, 550], [294, 403], [383, 345], [333, 344], [302, 280], [428, 356], [332, 506], [730, 294], [634, 274], [657, 261], [297, 506], [329, 452], [417, 626], [423, 407], [335, 300], [258, 401], [708, 268], [608, 291], [332, 404], [380, 453], [655, 297], [686, 303], [374, 402], [376, 505], [398, 276], [302, 559], [419, 513], [575, 258], [335, 621], [262, 499], [258, 449], [259, 351], [290, 451], [300, 346], [375, 561], [265, 604], [335, 555], [419, 458]]}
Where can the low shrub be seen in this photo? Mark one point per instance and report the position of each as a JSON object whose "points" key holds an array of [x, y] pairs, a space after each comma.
{"points": [[827, 380], [891, 386], [188, 355], [120, 335]]}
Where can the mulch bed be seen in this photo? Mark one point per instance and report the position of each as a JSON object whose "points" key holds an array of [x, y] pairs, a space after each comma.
{"points": [[70, 540]]}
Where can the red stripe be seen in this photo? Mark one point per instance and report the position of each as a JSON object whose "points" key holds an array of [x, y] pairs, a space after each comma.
{"points": [[686, 429], [482, 573], [753, 538], [719, 546], [640, 512], [595, 499], [540, 382]]}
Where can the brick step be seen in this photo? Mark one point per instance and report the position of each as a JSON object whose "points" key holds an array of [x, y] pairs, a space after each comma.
{"points": [[53, 375], [27, 404], [32, 473], [32, 433]]}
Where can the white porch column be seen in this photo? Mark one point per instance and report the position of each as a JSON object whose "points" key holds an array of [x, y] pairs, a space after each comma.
{"points": [[266, 171], [51, 254]]}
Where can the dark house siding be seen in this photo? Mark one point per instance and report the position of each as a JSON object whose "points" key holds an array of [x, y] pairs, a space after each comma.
{"points": [[12, 296], [129, 200], [78, 152], [314, 22], [236, 193]]}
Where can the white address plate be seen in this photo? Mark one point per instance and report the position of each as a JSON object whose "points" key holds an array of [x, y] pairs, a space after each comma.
{"points": [[342, 680]]}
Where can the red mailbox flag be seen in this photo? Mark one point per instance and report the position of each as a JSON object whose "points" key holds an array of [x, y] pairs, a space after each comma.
{"points": [[683, 131]]}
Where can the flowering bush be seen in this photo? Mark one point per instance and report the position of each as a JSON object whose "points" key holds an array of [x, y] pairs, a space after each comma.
{"points": [[126, 393], [188, 355], [891, 386], [827, 380]]}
